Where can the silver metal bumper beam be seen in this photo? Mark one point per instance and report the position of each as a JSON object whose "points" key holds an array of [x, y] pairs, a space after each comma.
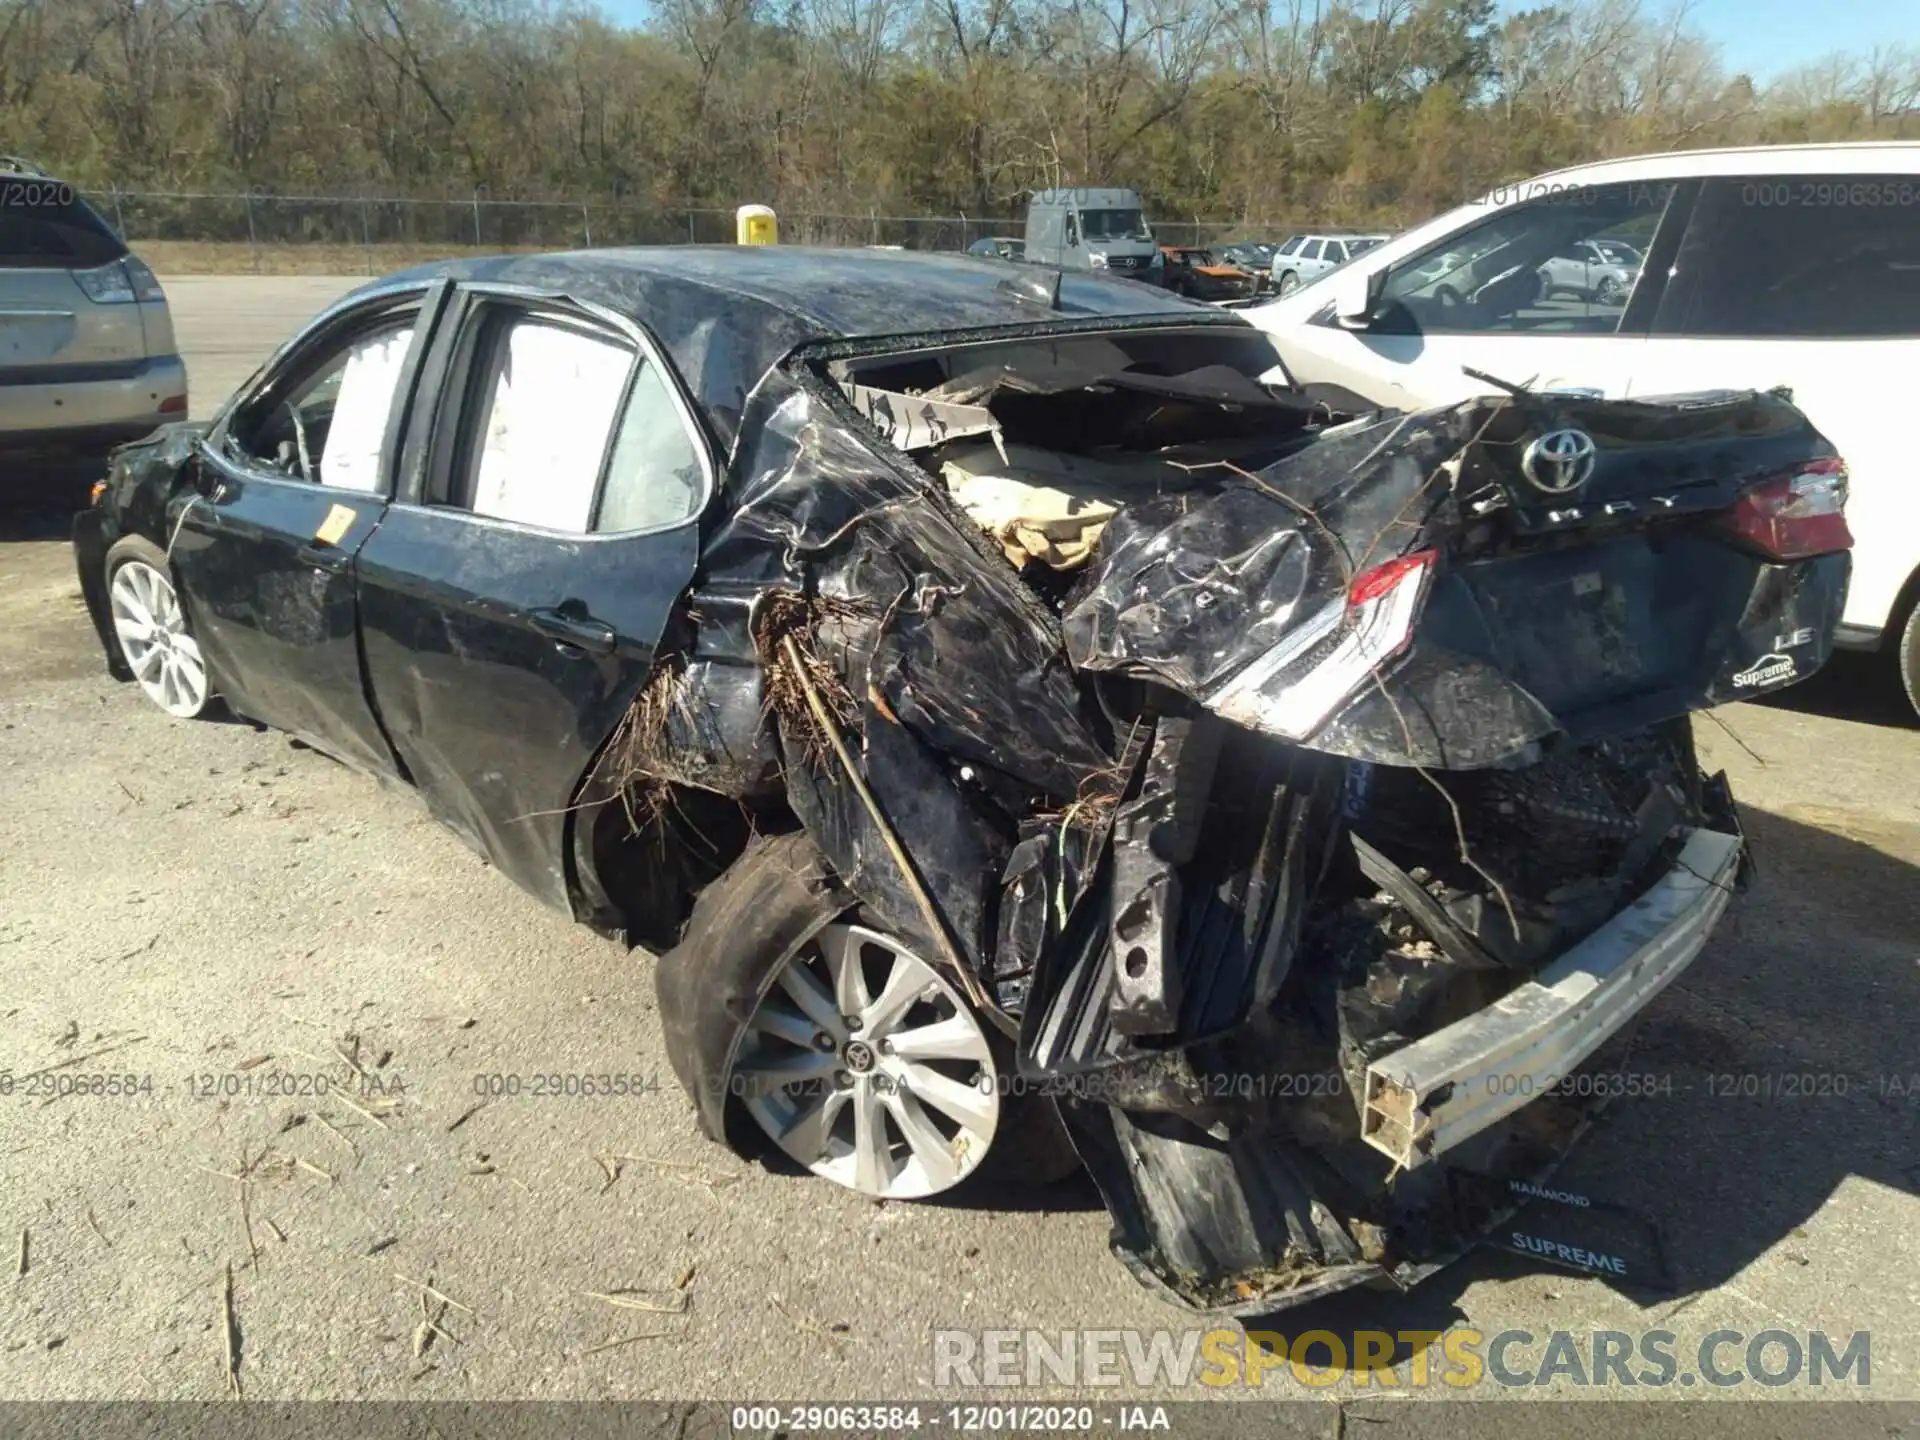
{"points": [[1428, 1097]]}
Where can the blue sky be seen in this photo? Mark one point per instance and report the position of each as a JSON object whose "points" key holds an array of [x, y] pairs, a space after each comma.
{"points": [[1765, 37], [1761, 37]]}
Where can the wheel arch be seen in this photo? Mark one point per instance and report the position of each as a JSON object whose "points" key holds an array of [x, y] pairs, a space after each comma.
{"points": [[743, 929], [1905, 602], [639, 850]]}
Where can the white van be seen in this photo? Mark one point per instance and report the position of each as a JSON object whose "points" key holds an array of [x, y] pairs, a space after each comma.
{"points": [[1792, 265]]}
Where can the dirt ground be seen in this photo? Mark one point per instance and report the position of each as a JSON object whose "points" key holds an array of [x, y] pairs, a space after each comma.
{"points": [[204, 907]]}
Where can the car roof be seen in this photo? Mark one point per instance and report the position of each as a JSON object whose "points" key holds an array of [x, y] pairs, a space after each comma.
{"points": [[726, 314], [1853, 157]]}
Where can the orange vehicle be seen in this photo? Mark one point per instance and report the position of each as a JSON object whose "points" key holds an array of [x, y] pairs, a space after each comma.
{"points": [[1196, 273]]}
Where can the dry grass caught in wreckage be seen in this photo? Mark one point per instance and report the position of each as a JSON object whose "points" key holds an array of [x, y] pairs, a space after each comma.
{"points": [[785, 614], [638, 750], [1095, 802]]}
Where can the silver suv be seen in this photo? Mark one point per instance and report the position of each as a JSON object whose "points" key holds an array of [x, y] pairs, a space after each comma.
{"points": [[1308, 257], [87, 356]]}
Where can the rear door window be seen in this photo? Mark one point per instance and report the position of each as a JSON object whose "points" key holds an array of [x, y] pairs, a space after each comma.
{"points": [[45, 226], [576, 432], [1799, 257], [551, 394], [1310, 251], [654, 473]]}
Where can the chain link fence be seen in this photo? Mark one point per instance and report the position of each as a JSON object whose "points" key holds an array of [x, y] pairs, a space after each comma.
{"points": [[378, 231]]}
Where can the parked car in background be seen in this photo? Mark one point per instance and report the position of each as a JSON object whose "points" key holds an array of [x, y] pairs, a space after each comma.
{"points": [[1092, 229], [1253, 256], [1307, 257], [1197, 274], [1602, 271], [997, 247], [1794, 266], [87, 356]]}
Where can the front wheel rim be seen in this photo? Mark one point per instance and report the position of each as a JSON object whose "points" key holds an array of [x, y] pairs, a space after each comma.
{"points": [[865, 1066], [153, 637]]}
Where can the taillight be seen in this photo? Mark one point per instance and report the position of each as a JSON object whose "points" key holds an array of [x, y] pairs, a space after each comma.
{"points": [[1370, 585], [146, 285], [1795, 516], [1373, 626], [119, 282], [106, 284]]}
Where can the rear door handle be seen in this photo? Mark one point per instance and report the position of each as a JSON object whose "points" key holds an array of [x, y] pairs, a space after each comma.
{"points": [[582, 632]]}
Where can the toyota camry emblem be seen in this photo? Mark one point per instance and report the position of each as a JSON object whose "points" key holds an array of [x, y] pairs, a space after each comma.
{"points": [[1559, 462]]}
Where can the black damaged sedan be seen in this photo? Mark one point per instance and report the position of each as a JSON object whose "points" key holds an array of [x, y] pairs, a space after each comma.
{"points": [[1029, 734]]}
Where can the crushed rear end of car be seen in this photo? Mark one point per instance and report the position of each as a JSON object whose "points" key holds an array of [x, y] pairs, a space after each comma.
{"points": [[1302, 805]]}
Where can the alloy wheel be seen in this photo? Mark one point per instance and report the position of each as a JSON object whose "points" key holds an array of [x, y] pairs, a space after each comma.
{"points": [[1289, 282], [869, 1069], [152, 630]]}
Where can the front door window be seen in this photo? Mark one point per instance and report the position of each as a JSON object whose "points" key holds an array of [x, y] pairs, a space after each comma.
{"points": [[330, 428]]}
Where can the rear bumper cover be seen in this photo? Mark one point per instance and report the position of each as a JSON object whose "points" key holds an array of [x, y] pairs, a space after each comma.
{"points": [[1428, 1097], [96, 404], [1285, 1204]]}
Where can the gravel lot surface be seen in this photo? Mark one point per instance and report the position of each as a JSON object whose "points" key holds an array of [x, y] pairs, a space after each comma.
{"points": [[180, 901]]}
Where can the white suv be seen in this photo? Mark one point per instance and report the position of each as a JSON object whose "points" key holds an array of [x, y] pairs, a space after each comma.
{"points": [[1793, 265], [1308, 257]]}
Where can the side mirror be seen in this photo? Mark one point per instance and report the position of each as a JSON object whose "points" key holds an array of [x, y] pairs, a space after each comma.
{"points": [[1356, 298]]}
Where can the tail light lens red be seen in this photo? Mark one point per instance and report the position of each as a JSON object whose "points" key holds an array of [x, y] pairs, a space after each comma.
{"points": [[1796, 516], [1372, 584], [146, 286]]}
